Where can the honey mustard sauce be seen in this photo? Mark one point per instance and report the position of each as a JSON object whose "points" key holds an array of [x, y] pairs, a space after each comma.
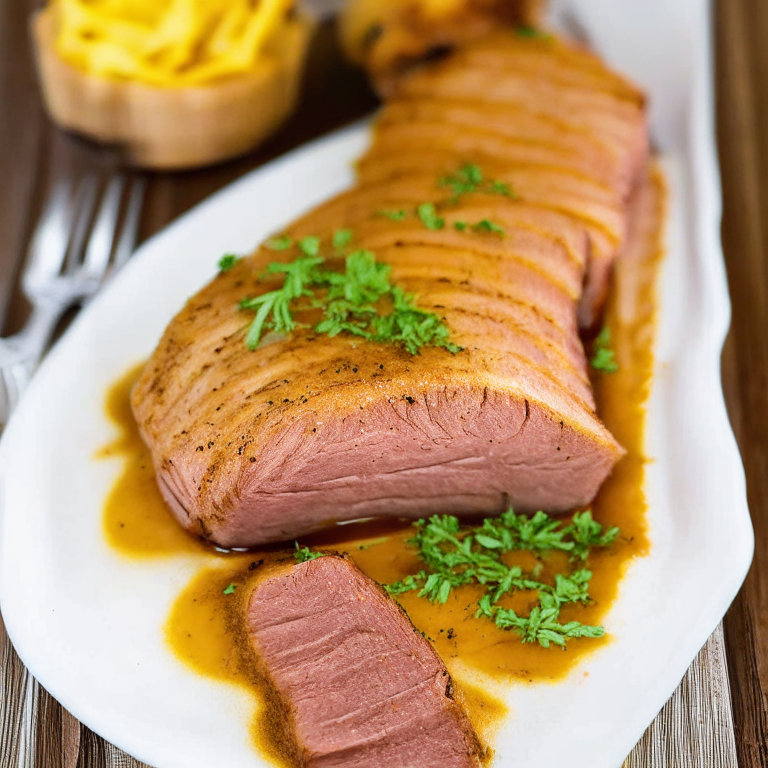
{"points": [[205, 629]]}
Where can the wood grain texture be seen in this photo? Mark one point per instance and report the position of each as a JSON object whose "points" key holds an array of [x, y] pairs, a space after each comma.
{"points": [[695, 727], [23, 132], [693, 730], [743, 143]]}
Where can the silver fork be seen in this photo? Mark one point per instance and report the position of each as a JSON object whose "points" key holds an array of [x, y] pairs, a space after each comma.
{"points": [[78, 243]]}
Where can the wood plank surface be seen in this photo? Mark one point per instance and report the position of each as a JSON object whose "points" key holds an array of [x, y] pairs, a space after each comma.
{"points": [[742, 56], [697, 727]]}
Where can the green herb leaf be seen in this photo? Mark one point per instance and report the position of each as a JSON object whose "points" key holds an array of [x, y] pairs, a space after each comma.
{"points": [[227, 262], [408, 584], [532, 32], [540, 626], [501, 188], [603, 357], [456, 555], [342, 238], [428, 215], [467, 179], [470, 178], [394, 215], [273, 309], [281, 243], [304, 554], [230, 590], [588, 534], [350, 302], [310, 246], [488, 226], [460, 225]]}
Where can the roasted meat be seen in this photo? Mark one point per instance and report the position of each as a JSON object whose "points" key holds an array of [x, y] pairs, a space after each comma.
{"points": [[265, 445], [359, 685]]}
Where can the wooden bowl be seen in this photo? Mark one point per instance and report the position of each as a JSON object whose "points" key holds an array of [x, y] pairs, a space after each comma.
{"points": [[174, 128]]}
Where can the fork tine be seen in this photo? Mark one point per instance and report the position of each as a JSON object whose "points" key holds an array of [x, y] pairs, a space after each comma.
{"points": [[48, 247], [12, 393], [5, 398], [85, 202], [126, 243], [103, 233]]}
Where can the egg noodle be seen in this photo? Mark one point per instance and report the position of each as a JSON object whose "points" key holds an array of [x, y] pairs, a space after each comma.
{"points": [[168, 43]]}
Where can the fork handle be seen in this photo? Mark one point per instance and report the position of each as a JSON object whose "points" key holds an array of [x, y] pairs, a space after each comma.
{"points": [[36, 334]]}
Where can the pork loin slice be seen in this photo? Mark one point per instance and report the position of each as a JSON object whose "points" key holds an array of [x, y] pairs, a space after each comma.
{"points": [[555, 188], [365, 205], [253, 447], [543, 107], [529, 137], [486, 75], [552, 59], [603, 217], [609, 119], [462, 141], [361, 686]]}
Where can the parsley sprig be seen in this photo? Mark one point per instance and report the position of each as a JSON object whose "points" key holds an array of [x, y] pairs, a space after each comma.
{"points": [[227, 262], [603, 357], [470, 178], [429, 216], [533, 32], [457, 555], [350, 300], [398, 215], [304, 554]]}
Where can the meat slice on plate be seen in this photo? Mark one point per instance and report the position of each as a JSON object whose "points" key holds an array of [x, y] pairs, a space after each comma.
{"points": [[618, 124], [501, 132], [267, 445], [360, 686], [543, 108]]}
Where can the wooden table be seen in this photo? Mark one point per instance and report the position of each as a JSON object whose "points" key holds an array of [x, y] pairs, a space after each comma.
{"points": [[699, 728]]}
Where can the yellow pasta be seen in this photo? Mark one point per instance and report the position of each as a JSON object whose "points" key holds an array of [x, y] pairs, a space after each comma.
{"points": [[167, 43]]}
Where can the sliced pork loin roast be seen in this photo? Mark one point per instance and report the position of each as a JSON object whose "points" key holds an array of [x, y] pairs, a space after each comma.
{"points": [[548, 118], [253, 447], [266, 445], [360, 686]]}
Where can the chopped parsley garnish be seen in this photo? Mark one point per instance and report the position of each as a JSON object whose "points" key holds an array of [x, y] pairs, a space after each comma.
{"points": [[310, 246], [542, 624], [481, 226], [303, 554], [501, 188], [277, 303], [488, 226], [281, 243], [603, 357], [227, 262], [456, 555], [428, 215], [342, 238], [350, 302], [532, 32], [230, 590], [394, 215], [470, 178]]}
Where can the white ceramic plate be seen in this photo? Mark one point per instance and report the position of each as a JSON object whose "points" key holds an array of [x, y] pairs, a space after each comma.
{"points": [[89, 624]]}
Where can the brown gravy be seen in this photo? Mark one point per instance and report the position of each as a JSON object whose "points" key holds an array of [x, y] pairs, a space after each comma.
{"points": [[203, 629]]}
